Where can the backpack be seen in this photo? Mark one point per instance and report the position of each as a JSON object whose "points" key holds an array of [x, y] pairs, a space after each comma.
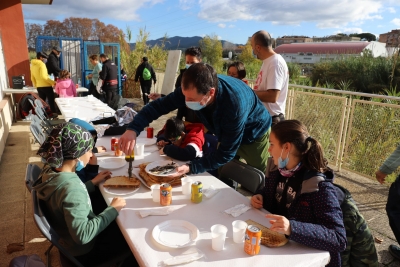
{"points": [[146, 74], [24, 106]]}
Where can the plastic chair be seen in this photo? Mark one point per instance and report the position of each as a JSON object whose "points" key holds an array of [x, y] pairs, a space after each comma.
{"points": [[31, 175], [40, 137], [249, 177], [66, 259]]}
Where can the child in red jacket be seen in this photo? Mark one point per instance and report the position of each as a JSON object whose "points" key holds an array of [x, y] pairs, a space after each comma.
{"points": [[181, 142], [65, 87]]}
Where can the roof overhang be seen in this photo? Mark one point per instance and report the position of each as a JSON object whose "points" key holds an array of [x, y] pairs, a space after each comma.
{"points": [[37, 2]]}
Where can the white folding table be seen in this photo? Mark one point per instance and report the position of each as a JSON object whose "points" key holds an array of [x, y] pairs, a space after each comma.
{"points": [[138, 231]]}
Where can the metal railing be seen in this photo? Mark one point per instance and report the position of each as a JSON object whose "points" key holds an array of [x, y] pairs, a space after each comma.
{"points": [[358, 131]]}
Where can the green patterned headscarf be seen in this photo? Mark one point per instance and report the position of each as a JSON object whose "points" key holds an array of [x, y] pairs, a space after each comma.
{"points": [[66, 141]]}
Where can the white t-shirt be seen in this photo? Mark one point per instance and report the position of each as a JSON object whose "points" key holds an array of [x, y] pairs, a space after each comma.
{"points": [[274, 74]]}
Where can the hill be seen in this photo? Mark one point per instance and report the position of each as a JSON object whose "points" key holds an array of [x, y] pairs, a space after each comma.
{"points": [[179, 42]]}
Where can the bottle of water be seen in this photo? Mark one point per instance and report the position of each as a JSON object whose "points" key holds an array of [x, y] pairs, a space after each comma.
{"points": [[79, 82], [52, 77]]}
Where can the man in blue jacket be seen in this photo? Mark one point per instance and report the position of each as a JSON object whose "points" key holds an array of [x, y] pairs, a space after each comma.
{"points": [[226, 106]]}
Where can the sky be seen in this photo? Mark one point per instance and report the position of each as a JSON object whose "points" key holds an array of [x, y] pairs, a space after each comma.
{"points": [[232, 21]]}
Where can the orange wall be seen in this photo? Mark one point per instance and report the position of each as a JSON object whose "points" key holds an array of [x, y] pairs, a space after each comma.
{"points": [[15, 47]]}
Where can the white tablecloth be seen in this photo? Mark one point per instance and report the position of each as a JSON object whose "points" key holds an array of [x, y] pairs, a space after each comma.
{"points": [[83, 108], [138, 231], [34, 90]]}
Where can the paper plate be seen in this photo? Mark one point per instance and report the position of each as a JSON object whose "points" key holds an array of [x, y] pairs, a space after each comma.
{"points": [[160, 163], [175, 233], [121, 191], [146, 141], [111, 163]]}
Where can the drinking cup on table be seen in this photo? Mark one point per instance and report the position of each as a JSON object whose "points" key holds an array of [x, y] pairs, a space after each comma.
{"points": [[218, 234], [139, 149], [186, 185], [239, 228], [155, 192]]}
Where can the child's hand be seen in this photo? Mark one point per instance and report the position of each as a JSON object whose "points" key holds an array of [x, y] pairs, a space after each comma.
{"points": [[104, 175], [257, 201], [161, 151], [279, 224], [118, 203], [162, 143], [93, 160], [101, 149]]}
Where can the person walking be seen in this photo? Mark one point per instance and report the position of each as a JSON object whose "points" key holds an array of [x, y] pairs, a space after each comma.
{"points": [[53, 62], [41, 80], [94, 76], [272, 81], [109, 75], [393, 201], [145, 73]]}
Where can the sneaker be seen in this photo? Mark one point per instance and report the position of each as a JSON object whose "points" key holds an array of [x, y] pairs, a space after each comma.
{"points": [[394, 251]]}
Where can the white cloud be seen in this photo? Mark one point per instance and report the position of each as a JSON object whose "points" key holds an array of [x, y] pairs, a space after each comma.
{"points": [[219, 37], [222, 25], [349, 30], [391, 10], [326, 14], [186, 4], [396, 22], [125, 10], [231, 26]]}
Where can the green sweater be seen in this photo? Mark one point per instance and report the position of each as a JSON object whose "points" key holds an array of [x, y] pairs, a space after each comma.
{"points": [[95, 73], [69, 210]]}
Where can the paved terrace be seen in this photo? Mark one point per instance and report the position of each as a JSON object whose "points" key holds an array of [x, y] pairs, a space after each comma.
{"points": [[17, 225]]}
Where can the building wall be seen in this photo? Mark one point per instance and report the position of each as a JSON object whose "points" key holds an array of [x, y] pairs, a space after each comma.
{"points": [[13, 35]]}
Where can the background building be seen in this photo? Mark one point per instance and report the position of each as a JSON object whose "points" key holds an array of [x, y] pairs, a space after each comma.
{"points": [[293, 39], [310, 53], [391, 39], [336, 38]]}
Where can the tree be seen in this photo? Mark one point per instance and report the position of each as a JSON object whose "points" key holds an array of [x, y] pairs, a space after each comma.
{"points": [[368, 36], [247, 56], [211, 48], [32, 30]]}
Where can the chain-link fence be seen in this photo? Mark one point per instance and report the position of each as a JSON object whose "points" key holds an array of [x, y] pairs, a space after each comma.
{"points": [[358, 131]]}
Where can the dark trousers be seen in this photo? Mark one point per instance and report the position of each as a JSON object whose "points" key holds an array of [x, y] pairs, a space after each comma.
{"points": [[93, 91], [393, 208], [146, 86], [47, 94], [111, 95]]}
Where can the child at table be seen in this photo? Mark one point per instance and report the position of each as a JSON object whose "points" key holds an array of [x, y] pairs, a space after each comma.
{"points": [[300, 194], [181, 142], [92, 239], [65, 87]]}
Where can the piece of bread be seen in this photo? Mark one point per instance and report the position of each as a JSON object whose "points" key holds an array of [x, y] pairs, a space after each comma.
{"points": [[269, 238], [151, 179], [122, 182]]}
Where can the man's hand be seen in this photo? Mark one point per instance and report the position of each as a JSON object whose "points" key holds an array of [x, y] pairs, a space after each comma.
{"points": [[270, 96], [380, 176], [154, 96], [127, 141], [161, 151], [104, 175], [118, 203], [279, 224], [181, 170], [257, 201]]}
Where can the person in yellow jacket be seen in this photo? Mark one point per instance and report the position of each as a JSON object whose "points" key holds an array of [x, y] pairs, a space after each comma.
{"points": [[41, 79]]}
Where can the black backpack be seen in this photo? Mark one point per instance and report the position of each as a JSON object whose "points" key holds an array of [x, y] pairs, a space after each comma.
{"points": [[24, 105]]}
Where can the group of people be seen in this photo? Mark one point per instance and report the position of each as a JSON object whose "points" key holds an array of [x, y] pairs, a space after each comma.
{"points": [[299, 192]]}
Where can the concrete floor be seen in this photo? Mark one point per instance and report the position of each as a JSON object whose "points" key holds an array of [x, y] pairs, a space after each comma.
{"points": [[17, 225]]}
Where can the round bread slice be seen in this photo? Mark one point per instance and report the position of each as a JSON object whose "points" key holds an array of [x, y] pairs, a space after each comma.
{"points": [[272, 239], [122, 182]]}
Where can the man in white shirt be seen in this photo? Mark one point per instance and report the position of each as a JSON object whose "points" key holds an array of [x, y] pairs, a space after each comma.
{"points": [[272, 82]]}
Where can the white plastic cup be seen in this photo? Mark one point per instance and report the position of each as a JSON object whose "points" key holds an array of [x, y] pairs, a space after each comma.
{"points": [[218, 234], [155, 192], [139, 149], [239, 229], [186, 185]]}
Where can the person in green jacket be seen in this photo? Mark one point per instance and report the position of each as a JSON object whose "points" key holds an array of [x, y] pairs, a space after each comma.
{"points": [[393, 201], [91, 238]]}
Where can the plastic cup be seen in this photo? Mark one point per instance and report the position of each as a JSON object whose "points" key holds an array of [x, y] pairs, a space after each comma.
{"points": [[139, 149], [186, 185], [239, 229], [155, 192], [218, 234]]}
